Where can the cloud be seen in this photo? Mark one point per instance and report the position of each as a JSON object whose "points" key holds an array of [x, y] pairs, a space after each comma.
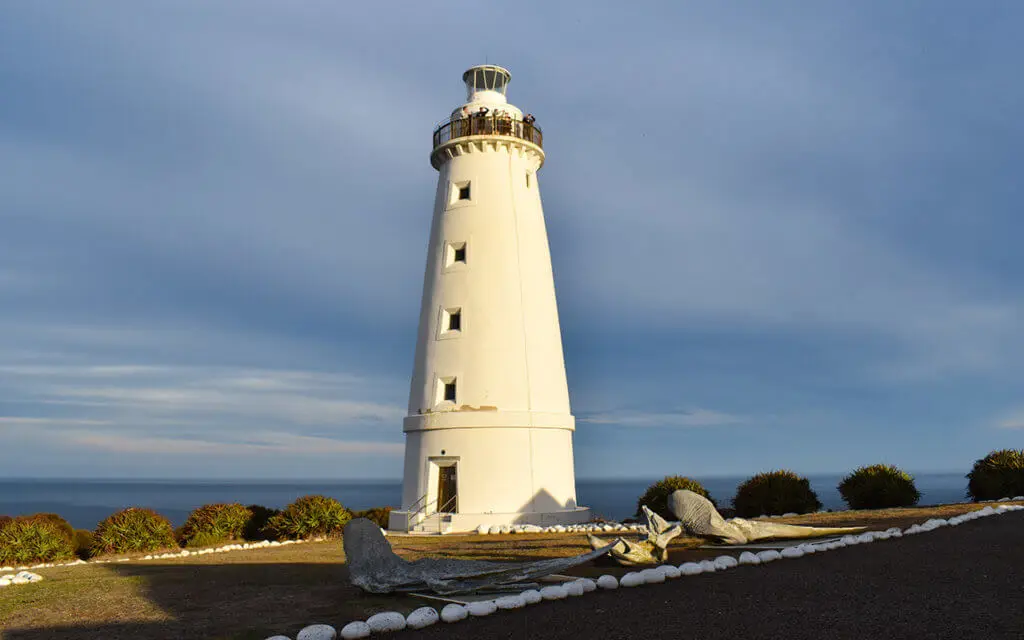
{"points": [[1011, 420], [691, 418], [259, 444], [217, 228]]}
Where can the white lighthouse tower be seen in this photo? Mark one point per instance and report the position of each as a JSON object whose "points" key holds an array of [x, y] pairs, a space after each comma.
{"points": [[489, 431]]}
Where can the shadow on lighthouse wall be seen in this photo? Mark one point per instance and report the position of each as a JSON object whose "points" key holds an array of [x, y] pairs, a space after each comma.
{"points": [[544, 508]]}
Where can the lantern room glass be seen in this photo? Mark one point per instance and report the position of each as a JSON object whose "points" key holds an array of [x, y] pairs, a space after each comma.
{"points": [[486, 78]]}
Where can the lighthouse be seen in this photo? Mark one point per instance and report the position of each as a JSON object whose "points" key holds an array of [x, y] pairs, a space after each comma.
{"points": [[488, 435]]}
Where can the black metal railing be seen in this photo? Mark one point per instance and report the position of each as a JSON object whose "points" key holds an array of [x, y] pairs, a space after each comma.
{"points": [[478, 125]]}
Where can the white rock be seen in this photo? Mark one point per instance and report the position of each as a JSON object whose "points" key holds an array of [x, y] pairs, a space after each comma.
{"points": [[725, 562], [531, 528], [690, 569], [531, 596], [357, 629], [505, 529], [652, 576], [317, 632], [671, 571], [708, 566], [608, 582], [481, 608], [494, 530], [422, 617], [386, 621], [454, 612], [768, 555], [574, 588], [280, 637], [748, 558], [849, 540], [19, 580], [506, 603], [554, 592], [631, 579], [792, 552]]}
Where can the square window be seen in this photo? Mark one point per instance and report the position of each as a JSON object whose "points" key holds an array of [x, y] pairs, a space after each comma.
{"points": [[454, 253], [451, 324], [460, 193], [449, 391]]}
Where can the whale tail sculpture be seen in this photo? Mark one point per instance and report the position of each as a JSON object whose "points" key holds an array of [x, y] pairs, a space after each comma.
{"points": [[374, 567], [653, 550], [700, 518]]}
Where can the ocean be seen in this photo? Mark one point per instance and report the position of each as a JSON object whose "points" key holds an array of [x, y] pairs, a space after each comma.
{"points": [[84, 503]]}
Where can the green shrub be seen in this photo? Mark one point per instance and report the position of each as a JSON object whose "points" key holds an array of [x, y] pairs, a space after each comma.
{"points": [[31, 539], [83, 540], [656, 496], [379, 515], [880, 486], [205, 539], [256, 527], [213, 523], [133, 530], [60, 522], [1000, 474], [775, 493], [310, 516]]}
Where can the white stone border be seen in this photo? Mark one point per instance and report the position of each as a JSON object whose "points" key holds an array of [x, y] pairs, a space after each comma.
{"points": [[22, 577], [390, 621], [590, 527], [247, 546]]}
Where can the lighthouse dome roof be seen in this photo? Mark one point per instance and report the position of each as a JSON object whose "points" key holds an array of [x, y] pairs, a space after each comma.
{"points": [[486, 85]]}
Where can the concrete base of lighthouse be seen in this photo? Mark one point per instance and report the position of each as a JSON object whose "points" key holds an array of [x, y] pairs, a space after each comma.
{"points": [[458, 478], [406, 522]]}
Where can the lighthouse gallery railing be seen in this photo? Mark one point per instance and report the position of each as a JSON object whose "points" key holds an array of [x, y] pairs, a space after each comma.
{"points": [[488, 126]]}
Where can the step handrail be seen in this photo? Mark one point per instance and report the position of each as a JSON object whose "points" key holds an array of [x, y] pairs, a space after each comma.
{"points": [[414, 510]]}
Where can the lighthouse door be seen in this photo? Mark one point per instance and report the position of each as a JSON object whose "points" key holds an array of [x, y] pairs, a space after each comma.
{"points": [[447, 489]]}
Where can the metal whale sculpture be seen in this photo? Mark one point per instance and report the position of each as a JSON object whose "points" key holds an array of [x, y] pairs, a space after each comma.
{"points": [[653, 550], [374, 567], [700, 518]]}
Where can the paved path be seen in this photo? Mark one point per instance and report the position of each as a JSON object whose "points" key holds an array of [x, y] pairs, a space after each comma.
{"points": [[956, 582]]}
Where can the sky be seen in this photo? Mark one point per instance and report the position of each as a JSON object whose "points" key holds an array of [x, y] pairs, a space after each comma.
{"points": [[784, 235]]}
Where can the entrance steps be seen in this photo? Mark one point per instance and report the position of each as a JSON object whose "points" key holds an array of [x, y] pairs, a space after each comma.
{"points": [[435, 523]]}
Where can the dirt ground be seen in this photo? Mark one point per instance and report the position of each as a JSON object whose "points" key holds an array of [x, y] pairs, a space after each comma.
{"points": [[258, 593]]}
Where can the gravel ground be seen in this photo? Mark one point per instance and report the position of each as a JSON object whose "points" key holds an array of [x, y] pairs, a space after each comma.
{"points": [[956, 582]]}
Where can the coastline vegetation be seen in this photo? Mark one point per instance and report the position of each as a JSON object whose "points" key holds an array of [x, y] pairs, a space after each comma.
{"points": [[47, 537], [1000, 474], [879, 486], [775, 493]]}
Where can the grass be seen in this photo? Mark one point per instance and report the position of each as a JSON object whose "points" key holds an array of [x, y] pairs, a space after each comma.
{"points": [[261, 592]]}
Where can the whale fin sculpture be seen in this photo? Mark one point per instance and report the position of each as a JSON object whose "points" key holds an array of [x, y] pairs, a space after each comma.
{"points": [[653, 550], [700, 518], [374, 567]]}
